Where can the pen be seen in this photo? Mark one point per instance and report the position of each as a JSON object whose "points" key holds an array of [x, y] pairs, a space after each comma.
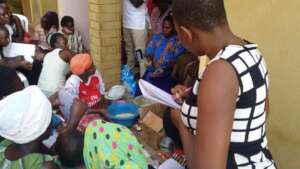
{"points": [[176, 97], [188, 89]]}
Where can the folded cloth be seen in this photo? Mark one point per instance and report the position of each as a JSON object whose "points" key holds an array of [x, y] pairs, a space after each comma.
{"points": [[25, 115]]}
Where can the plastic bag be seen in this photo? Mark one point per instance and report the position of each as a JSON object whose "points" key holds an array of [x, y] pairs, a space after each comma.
{"points": [[128, 80]]}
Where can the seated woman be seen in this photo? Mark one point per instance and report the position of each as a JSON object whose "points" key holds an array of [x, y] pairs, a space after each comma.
{"points": [[10, 83], [86, 83], [185, 70], [185, 74], [5, 21], [162, 52], [17, 62], [55, 65], [25, 118], [104, 145], [49, 24], [14, 23]]}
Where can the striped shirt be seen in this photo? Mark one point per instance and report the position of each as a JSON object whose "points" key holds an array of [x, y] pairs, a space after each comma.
{"points": [[75, 42]]}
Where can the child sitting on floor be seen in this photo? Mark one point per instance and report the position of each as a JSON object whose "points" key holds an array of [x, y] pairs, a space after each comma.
{"points": [[75, 41]]}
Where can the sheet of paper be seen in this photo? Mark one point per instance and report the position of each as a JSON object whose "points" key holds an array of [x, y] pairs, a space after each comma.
{"points": [[20, 49], [170, 164], [51, 140], [154, 93], [66, 100]]}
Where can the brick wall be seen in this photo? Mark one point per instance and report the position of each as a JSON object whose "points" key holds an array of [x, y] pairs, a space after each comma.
{"points": [[105, 38]]}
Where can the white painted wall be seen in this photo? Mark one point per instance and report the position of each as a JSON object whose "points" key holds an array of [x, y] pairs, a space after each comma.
{"points": [[78, 9]]}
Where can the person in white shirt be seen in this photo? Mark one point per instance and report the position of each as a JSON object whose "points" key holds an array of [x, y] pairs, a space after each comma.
{"points": [[55, 65], [135, 29]]}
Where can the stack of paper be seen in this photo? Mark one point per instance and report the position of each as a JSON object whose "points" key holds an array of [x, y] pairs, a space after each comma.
{"points": [[66, 100], [154, 93], [20, 49]]}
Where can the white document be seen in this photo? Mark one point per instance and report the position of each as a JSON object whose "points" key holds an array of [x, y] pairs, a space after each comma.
{"points": [[51, 140], [154, 93], [170, 164], [20, 49], [66, 99]]}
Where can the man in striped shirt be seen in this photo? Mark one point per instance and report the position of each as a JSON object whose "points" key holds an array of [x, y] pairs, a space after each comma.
{"points": [[75, 41]]}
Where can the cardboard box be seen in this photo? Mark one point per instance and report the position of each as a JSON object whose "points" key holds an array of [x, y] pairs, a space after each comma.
{"points": [[156, 108], [152, 130]]}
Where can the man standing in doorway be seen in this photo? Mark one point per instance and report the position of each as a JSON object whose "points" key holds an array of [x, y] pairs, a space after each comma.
{"points": [[135, 30]]}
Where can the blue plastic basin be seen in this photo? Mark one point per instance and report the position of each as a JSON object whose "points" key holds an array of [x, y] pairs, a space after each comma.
{"points": [[121, 108]]}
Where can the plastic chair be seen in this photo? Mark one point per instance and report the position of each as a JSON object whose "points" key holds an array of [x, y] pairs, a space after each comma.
{"points": [[23, 79], [24, 21]]}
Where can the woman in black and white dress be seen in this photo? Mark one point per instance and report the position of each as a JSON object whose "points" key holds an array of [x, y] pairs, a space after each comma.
{"points": [[222, 124]]}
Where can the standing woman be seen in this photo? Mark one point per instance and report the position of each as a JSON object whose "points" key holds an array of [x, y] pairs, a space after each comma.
{"points": [[159, 13], [228, 124]]}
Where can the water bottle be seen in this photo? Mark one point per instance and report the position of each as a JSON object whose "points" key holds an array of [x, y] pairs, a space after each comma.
{"points": [[167, 145], [142, 61]]}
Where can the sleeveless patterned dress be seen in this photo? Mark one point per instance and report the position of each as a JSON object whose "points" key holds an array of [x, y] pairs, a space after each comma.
{"points": [[248, 143]]}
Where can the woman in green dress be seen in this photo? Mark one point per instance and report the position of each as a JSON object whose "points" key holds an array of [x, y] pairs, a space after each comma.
{"points": [[104, 145]]}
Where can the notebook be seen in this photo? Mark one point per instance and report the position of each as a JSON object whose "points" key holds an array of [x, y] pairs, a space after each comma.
{"points": [[154, 93]]}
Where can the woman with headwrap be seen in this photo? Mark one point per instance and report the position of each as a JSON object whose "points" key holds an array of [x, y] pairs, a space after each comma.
{"points": [[11, 83], [25, 118]]}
